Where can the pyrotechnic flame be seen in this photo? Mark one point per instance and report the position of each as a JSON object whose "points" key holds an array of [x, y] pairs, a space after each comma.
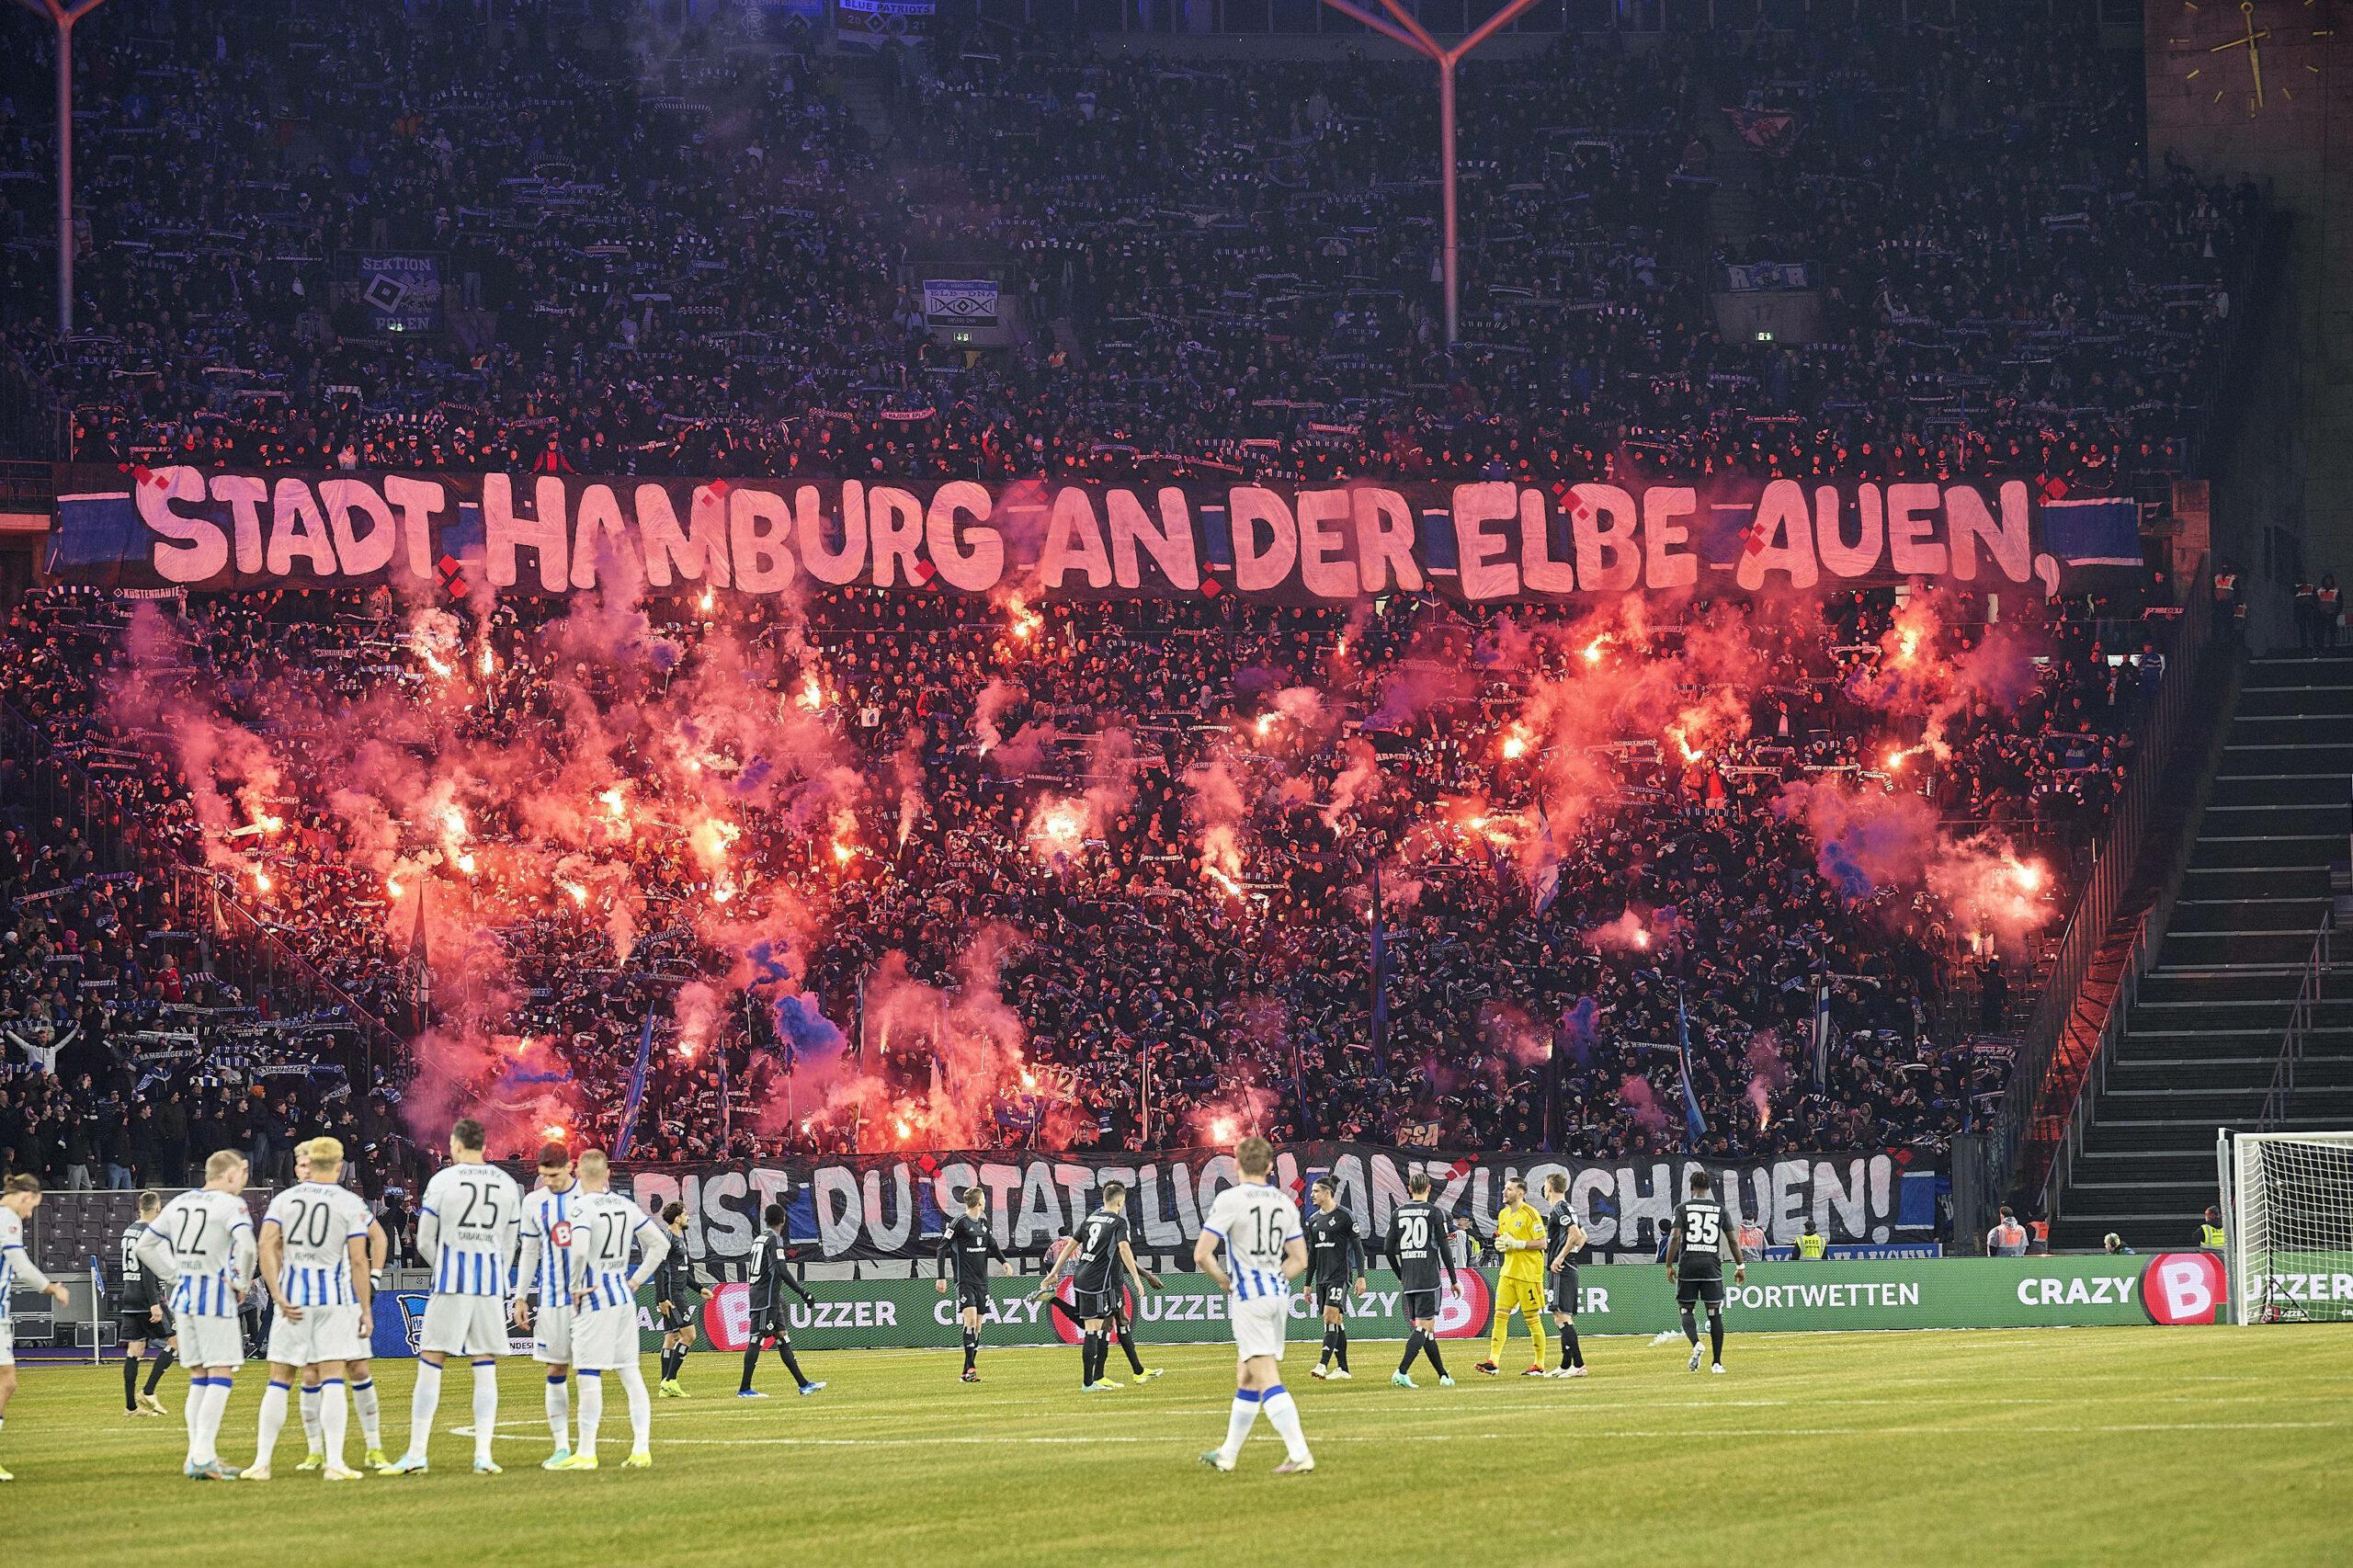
{"points": [[1593, 649], [616, 802], [1642, 938], [488, 664], [261, 878], [709, 599], [812, 695], [579, 894], [1266, 723], [466, 862], [2029, 877], [900, 1125], [1023, 620], [842, 852], [392, 889], [271, 824], [1515, 744], [1895, 760], [453, 819], [1221, 1131], [552, 1133]]}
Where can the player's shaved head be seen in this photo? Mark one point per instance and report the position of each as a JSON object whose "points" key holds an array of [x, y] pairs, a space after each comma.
{"points": [[775, 1215], [1254, 1156], [1114, 1195], [149, 1202], [592, 1166]]}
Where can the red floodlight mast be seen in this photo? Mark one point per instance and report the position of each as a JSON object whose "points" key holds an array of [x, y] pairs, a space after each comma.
{"points": [[63, 17], [1408, 30]]}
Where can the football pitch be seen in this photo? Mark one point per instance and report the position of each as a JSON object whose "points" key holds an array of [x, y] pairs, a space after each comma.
{"points": [[2058, 1446]]}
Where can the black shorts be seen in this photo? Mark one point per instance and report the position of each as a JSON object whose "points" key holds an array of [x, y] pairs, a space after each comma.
{"points": [[771, 1320], [1709, 1288], [1564, 1290], [1332, 1295], [133, 1325], [671, 1318], [1420, 1305], [972, 1298]]}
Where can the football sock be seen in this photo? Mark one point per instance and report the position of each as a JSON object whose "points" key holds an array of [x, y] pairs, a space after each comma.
{"points": [[559, 1408], [130, 1382], [784, 1354], [208, 1419], [309, 1408], [1239, 1420], [592, 1410], [1412, 1349], [641, 1409], [422, 1401], [485, 1408], [363, 1400], [273, 1421], [155, 1365], [972, 1349], [1340, 1344], [1327, 1346], [751, 1365], [1571, 1352], [1535, 1338], [1089, 1355], [1128, 1343], [334, 1420], [190, 1409], [1283, 1411], [1715, 1336], [1690, 1328], [1430, 1348]]}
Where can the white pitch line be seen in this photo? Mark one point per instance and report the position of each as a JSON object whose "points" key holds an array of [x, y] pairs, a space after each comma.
{"points": [[1512, 1436]]}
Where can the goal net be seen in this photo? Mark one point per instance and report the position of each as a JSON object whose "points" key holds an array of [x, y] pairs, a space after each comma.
{"points": [[2290, 1225]]}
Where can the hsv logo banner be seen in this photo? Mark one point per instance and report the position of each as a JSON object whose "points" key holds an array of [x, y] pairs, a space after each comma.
{"points": [[1484, 541]]}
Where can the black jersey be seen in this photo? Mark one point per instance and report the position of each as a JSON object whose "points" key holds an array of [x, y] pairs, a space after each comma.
{"points": [[1098, 1267], [768, 1279], [135, 1290], [966, 1245], [674, 1278], [1700, 1222], [1556, 1229], [1417, 1245], [1335, 1250]]}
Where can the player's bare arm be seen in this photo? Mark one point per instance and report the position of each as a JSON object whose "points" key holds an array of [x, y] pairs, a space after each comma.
{"points": [[1205, 1251], [1294, 1260]]}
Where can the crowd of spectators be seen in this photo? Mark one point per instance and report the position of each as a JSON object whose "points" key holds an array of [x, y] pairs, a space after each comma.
{"points": [[679, 251]]}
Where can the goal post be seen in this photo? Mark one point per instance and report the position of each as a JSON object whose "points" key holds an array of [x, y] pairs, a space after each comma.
{"points": [[2288, 1221]]}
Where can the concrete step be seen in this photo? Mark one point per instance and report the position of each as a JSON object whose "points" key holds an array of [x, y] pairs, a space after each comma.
{"points": [[2287, 851], [2258, 753], [2280, 788], [2316, 1069], [2191, 989], [2248, 915], [2319, 820], [2214, 883], [2282, 730], [2145, 1044], [2194, 949], [2280, 702]]}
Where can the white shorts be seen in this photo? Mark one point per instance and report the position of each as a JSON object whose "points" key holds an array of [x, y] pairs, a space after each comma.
{"points": [[1258, 1326], [605, 1340], [325, 1333], [551, 1335], [211, 1341], [8, 1343], [464, 1326]]}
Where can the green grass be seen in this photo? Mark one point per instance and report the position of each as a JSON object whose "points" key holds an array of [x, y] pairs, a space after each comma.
{"points": [[2059, 1446]]}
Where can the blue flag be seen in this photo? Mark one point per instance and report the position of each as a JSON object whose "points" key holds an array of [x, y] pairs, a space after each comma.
{"points": [[1694, 1123], [636, 1090], [1380, 980], [1546, 887]]}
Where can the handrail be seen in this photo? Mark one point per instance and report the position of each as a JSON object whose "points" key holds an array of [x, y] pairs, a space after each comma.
{"points": [[2300, 1022], [2111, 1034], [2112, 866]]}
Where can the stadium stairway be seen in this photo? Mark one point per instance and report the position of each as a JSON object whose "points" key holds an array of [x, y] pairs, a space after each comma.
{"points": [[2204, 1032]]}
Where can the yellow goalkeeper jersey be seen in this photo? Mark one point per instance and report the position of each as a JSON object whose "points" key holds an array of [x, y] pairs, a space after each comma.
{"points": [[1525, 1226]]}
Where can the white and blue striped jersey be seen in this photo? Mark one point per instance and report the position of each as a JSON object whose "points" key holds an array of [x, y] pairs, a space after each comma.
{"points": [[203, 1242], [604, 1227], [316, 1222], [17, 1270], [1256, 1222], [548, 1220], [467, 1225]]}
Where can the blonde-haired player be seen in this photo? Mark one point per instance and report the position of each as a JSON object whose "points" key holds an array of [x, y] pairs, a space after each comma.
{"points": [[604, 1226], [21, 1196], [1519, 1284], [1257, 1225], [202, 1245], [314, 1262]]}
